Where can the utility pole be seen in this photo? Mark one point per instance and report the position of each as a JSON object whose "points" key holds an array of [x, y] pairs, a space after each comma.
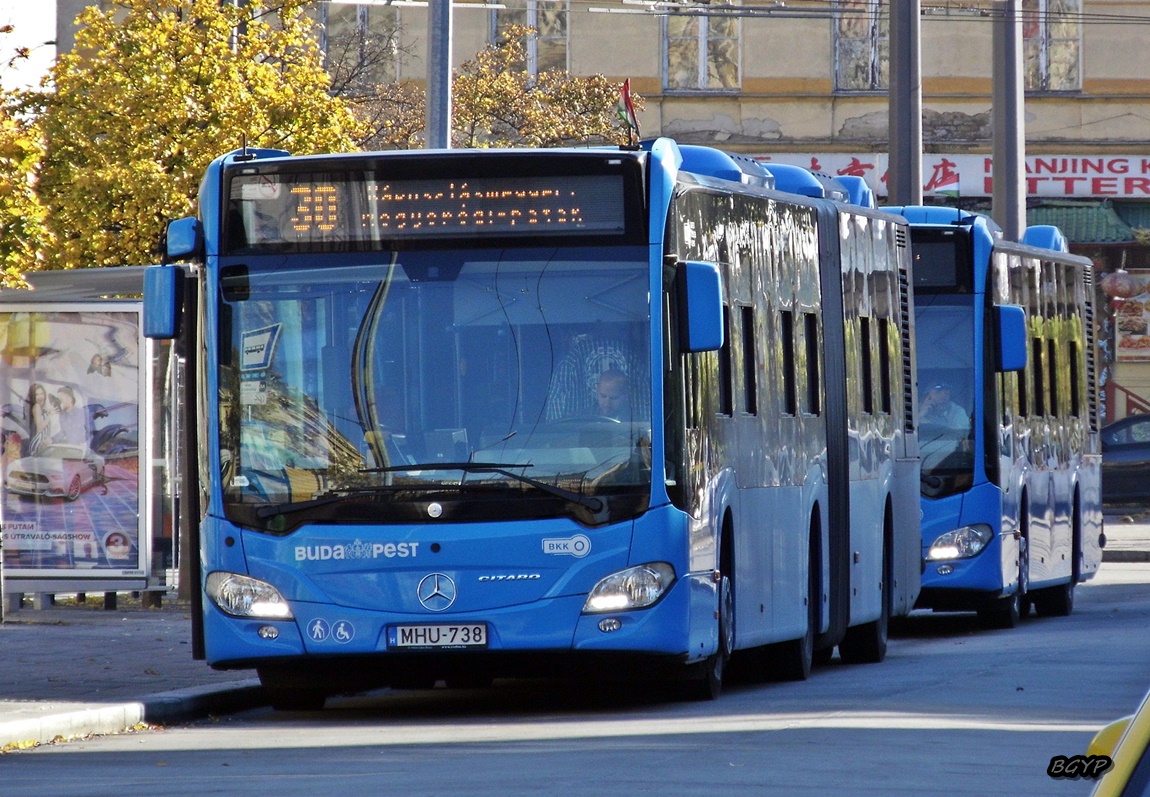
{"points": [[439, 74], [1008, 202], [904, 175]]}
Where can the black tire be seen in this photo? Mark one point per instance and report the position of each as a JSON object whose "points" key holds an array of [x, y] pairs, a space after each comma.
{"points": [[1059, 601], [1008, 612], [1055, 601], [74, 488], [290, 690], [1005, 613], [867, 643], [297, 699], [708, 684], [792, 661], [471, 680]]}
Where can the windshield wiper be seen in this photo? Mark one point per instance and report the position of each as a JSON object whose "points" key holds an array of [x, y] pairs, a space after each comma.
{"points": [[502, 468], [334, 496]]}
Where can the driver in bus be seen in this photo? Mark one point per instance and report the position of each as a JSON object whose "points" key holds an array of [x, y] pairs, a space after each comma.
{"points": [[938, 409], [943, 425], [613, 395]]}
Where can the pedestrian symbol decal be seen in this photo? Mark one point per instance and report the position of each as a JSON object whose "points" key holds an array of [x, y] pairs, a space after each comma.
{"points": [[318, 629]]}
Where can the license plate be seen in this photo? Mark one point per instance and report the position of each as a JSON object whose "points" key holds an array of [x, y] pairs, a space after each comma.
{"points": [[438, 637]]}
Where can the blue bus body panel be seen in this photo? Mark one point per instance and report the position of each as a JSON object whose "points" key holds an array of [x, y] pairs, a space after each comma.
{"points": [[981, 573], [555, 625], [348, 584]]}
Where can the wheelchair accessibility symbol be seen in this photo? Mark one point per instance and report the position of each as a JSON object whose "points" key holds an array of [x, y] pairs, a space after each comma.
{"points": [[343, 632]]}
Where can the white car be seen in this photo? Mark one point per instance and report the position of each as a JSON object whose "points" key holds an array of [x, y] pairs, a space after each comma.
{"points": [[57, 470]]}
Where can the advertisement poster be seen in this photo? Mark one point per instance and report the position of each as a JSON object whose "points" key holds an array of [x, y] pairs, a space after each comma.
{"points": [[1131, 319], [70, 489]]}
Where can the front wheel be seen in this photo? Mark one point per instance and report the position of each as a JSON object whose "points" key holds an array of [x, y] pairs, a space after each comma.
{"points": [[296, 699], [290, 691], [709, 683], [1007, 612], [1004, 613]]}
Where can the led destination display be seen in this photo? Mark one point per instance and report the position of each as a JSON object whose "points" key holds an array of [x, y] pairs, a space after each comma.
{"points": [[312, 210]]}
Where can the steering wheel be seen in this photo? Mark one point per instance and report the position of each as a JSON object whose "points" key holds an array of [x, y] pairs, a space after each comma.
{"points": [[587, 419]]}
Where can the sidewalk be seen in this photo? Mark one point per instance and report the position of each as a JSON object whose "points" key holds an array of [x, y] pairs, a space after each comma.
{"points": [[70, 671], [1127, 537]]}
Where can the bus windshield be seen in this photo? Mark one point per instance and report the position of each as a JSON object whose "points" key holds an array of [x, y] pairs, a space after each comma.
{"points": [[944, 325], [465, 384]]}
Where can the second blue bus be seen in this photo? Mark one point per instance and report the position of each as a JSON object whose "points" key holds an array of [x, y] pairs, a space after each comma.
{"points": [[1011, 471]]}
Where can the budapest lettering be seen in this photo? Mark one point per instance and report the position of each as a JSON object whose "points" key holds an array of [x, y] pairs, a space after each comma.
{"points": [[356, 550]]}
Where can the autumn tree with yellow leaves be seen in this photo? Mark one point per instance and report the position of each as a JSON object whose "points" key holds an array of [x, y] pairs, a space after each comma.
{"points": [[152, 92], [93, 166], [23, 236]]}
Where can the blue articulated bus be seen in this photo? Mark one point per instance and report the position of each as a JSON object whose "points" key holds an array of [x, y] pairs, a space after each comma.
{"points": [[460, 415], [1011, 485]]}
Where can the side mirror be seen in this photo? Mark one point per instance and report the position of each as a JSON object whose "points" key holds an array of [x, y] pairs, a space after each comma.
{"points": [[700, 306], [184, 239], [163, 293], [1010, 321]]}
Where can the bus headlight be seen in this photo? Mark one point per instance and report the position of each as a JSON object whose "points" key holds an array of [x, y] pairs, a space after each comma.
{"points": [[961, 543], [633, 588], [244, 596]]}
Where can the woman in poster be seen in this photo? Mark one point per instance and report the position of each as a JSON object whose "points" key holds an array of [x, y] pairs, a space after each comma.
{"points": [[42, 423]]}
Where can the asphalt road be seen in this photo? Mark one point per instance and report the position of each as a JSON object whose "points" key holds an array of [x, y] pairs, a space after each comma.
{"points": [[953, 711]]}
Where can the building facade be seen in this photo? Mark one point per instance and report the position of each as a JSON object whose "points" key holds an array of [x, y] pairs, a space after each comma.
{"points": [[806, 83]]}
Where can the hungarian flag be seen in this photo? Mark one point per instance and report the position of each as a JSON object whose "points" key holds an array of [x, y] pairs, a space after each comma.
{"points": [[626, 110]]}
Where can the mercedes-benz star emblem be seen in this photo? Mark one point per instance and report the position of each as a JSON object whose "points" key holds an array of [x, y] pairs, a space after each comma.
{"points": [[436, 592]]}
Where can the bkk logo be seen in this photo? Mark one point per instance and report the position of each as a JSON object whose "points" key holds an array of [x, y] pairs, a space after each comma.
{"points": [[356, 550]]}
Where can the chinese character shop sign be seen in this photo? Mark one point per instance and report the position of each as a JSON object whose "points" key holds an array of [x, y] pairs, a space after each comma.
{"points": [[1051, 176]]}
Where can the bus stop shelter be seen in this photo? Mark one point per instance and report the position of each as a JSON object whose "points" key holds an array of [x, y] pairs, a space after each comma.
{"points": [[85, 494]]}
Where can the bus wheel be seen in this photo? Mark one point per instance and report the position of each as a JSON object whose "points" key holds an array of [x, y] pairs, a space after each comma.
{"points": [[1059, 601], [297, 699], [791, 661], [866, 643], [1007, 612], [287, 690], [708, 684], [1055, 601]]}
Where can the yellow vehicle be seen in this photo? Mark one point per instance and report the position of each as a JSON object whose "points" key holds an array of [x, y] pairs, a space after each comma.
{"points": [[1125, 742]]}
